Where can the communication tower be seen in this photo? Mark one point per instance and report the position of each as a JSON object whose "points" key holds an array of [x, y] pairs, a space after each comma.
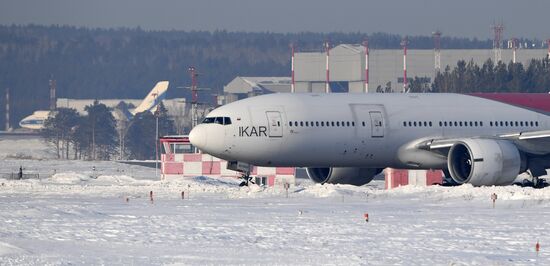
{"points": [[437, 51], [497, 31]]}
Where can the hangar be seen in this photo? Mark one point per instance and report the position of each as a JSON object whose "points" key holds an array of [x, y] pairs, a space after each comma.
{"points": [[346, 65]]}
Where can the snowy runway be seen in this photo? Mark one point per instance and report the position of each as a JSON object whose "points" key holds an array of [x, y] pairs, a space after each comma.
{"points": [[72, 219]]}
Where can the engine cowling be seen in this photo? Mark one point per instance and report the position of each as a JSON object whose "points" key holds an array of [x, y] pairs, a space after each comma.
{"points": [[485, 162], [342, 175]]}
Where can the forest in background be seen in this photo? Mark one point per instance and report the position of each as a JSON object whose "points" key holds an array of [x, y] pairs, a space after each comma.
{"points": [[126, 63]]}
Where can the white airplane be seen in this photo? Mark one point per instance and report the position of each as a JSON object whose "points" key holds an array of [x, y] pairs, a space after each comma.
{"points": [[157, 94], [481, 139]]}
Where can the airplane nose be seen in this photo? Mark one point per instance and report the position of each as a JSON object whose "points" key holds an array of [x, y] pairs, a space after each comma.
{"points": [[197, 137]]}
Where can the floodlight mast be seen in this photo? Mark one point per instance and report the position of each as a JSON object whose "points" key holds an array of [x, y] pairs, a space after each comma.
{"points": [[366, 45]]}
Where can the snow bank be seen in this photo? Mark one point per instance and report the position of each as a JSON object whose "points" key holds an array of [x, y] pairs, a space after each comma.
{"points": [[7, 249], [68, 178], [31, 148]]}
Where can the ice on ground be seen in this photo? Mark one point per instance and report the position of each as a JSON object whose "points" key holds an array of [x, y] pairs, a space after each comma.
{"points": [[77, 216]]}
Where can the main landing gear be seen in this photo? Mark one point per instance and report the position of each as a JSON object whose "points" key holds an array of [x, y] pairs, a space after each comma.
{"points": [[535, 182]]}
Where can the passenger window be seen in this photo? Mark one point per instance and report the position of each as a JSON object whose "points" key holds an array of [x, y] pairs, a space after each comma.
{"points": [[332, 123], [353, 123], [410, 123], [521, 123], [537, 123], [347, 123], [337, 123], [322, 123], [364, 123], [317, 123], [307, 124], [460, 123], [516, 123], [414, 123], [440, 124], [404, 123], [425, 123], [456, 124], [278, 123], [480, 123]]}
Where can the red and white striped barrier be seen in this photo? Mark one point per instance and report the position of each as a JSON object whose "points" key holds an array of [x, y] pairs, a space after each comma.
{"points": [[198, 164], [400, 177]]}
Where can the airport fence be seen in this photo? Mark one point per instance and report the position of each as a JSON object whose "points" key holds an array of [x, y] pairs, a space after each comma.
{"points": [[18, 176]]}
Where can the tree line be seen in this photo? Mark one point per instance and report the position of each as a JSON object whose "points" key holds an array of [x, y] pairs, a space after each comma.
{"points": [[467, 77], [97, 135]]}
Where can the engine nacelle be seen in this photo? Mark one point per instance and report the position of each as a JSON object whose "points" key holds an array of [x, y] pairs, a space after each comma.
{"points": [[485, 162], [342, 175]]}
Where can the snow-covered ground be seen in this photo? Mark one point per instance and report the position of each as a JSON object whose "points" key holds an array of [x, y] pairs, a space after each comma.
{"points": [[79, 216]]}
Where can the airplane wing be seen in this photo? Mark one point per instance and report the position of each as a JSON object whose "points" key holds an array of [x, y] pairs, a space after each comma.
{"points": [[534, 142]]}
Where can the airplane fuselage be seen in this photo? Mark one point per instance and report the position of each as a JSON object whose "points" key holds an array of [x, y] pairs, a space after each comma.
{"points": [[356, 130]]}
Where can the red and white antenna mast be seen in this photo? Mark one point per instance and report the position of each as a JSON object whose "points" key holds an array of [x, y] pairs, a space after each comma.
{"points": [[497, 31], [404, 43], [292, 84], [327, 82], [437, 51], [193, 73], [53, 100], [366, 45]]}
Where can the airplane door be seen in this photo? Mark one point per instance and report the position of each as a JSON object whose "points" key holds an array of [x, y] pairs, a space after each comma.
{"points": [[275, 124], [377, 123]]}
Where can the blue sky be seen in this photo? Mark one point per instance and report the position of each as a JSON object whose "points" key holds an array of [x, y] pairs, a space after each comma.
{"points": [[468, 18]]}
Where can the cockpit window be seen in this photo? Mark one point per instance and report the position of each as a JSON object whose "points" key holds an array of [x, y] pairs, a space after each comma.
{"points": [[209, 120], [217, 120]]}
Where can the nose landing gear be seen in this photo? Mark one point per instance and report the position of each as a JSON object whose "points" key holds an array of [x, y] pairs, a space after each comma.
{"points": [[244, 169], [247, 179]]}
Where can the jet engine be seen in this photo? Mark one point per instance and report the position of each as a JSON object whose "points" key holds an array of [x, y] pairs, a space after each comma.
{"points": [[485, 162], [342, 175]]}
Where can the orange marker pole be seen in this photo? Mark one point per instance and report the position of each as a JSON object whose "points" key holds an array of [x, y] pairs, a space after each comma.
{"points": [[151, 195], [366, 217], [537, 247]]}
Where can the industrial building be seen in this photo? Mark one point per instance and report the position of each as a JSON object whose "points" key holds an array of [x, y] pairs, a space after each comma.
{"points": [[343, 68]]}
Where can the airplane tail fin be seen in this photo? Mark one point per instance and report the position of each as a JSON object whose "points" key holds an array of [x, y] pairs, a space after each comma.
{"points": [[157, 94]]}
